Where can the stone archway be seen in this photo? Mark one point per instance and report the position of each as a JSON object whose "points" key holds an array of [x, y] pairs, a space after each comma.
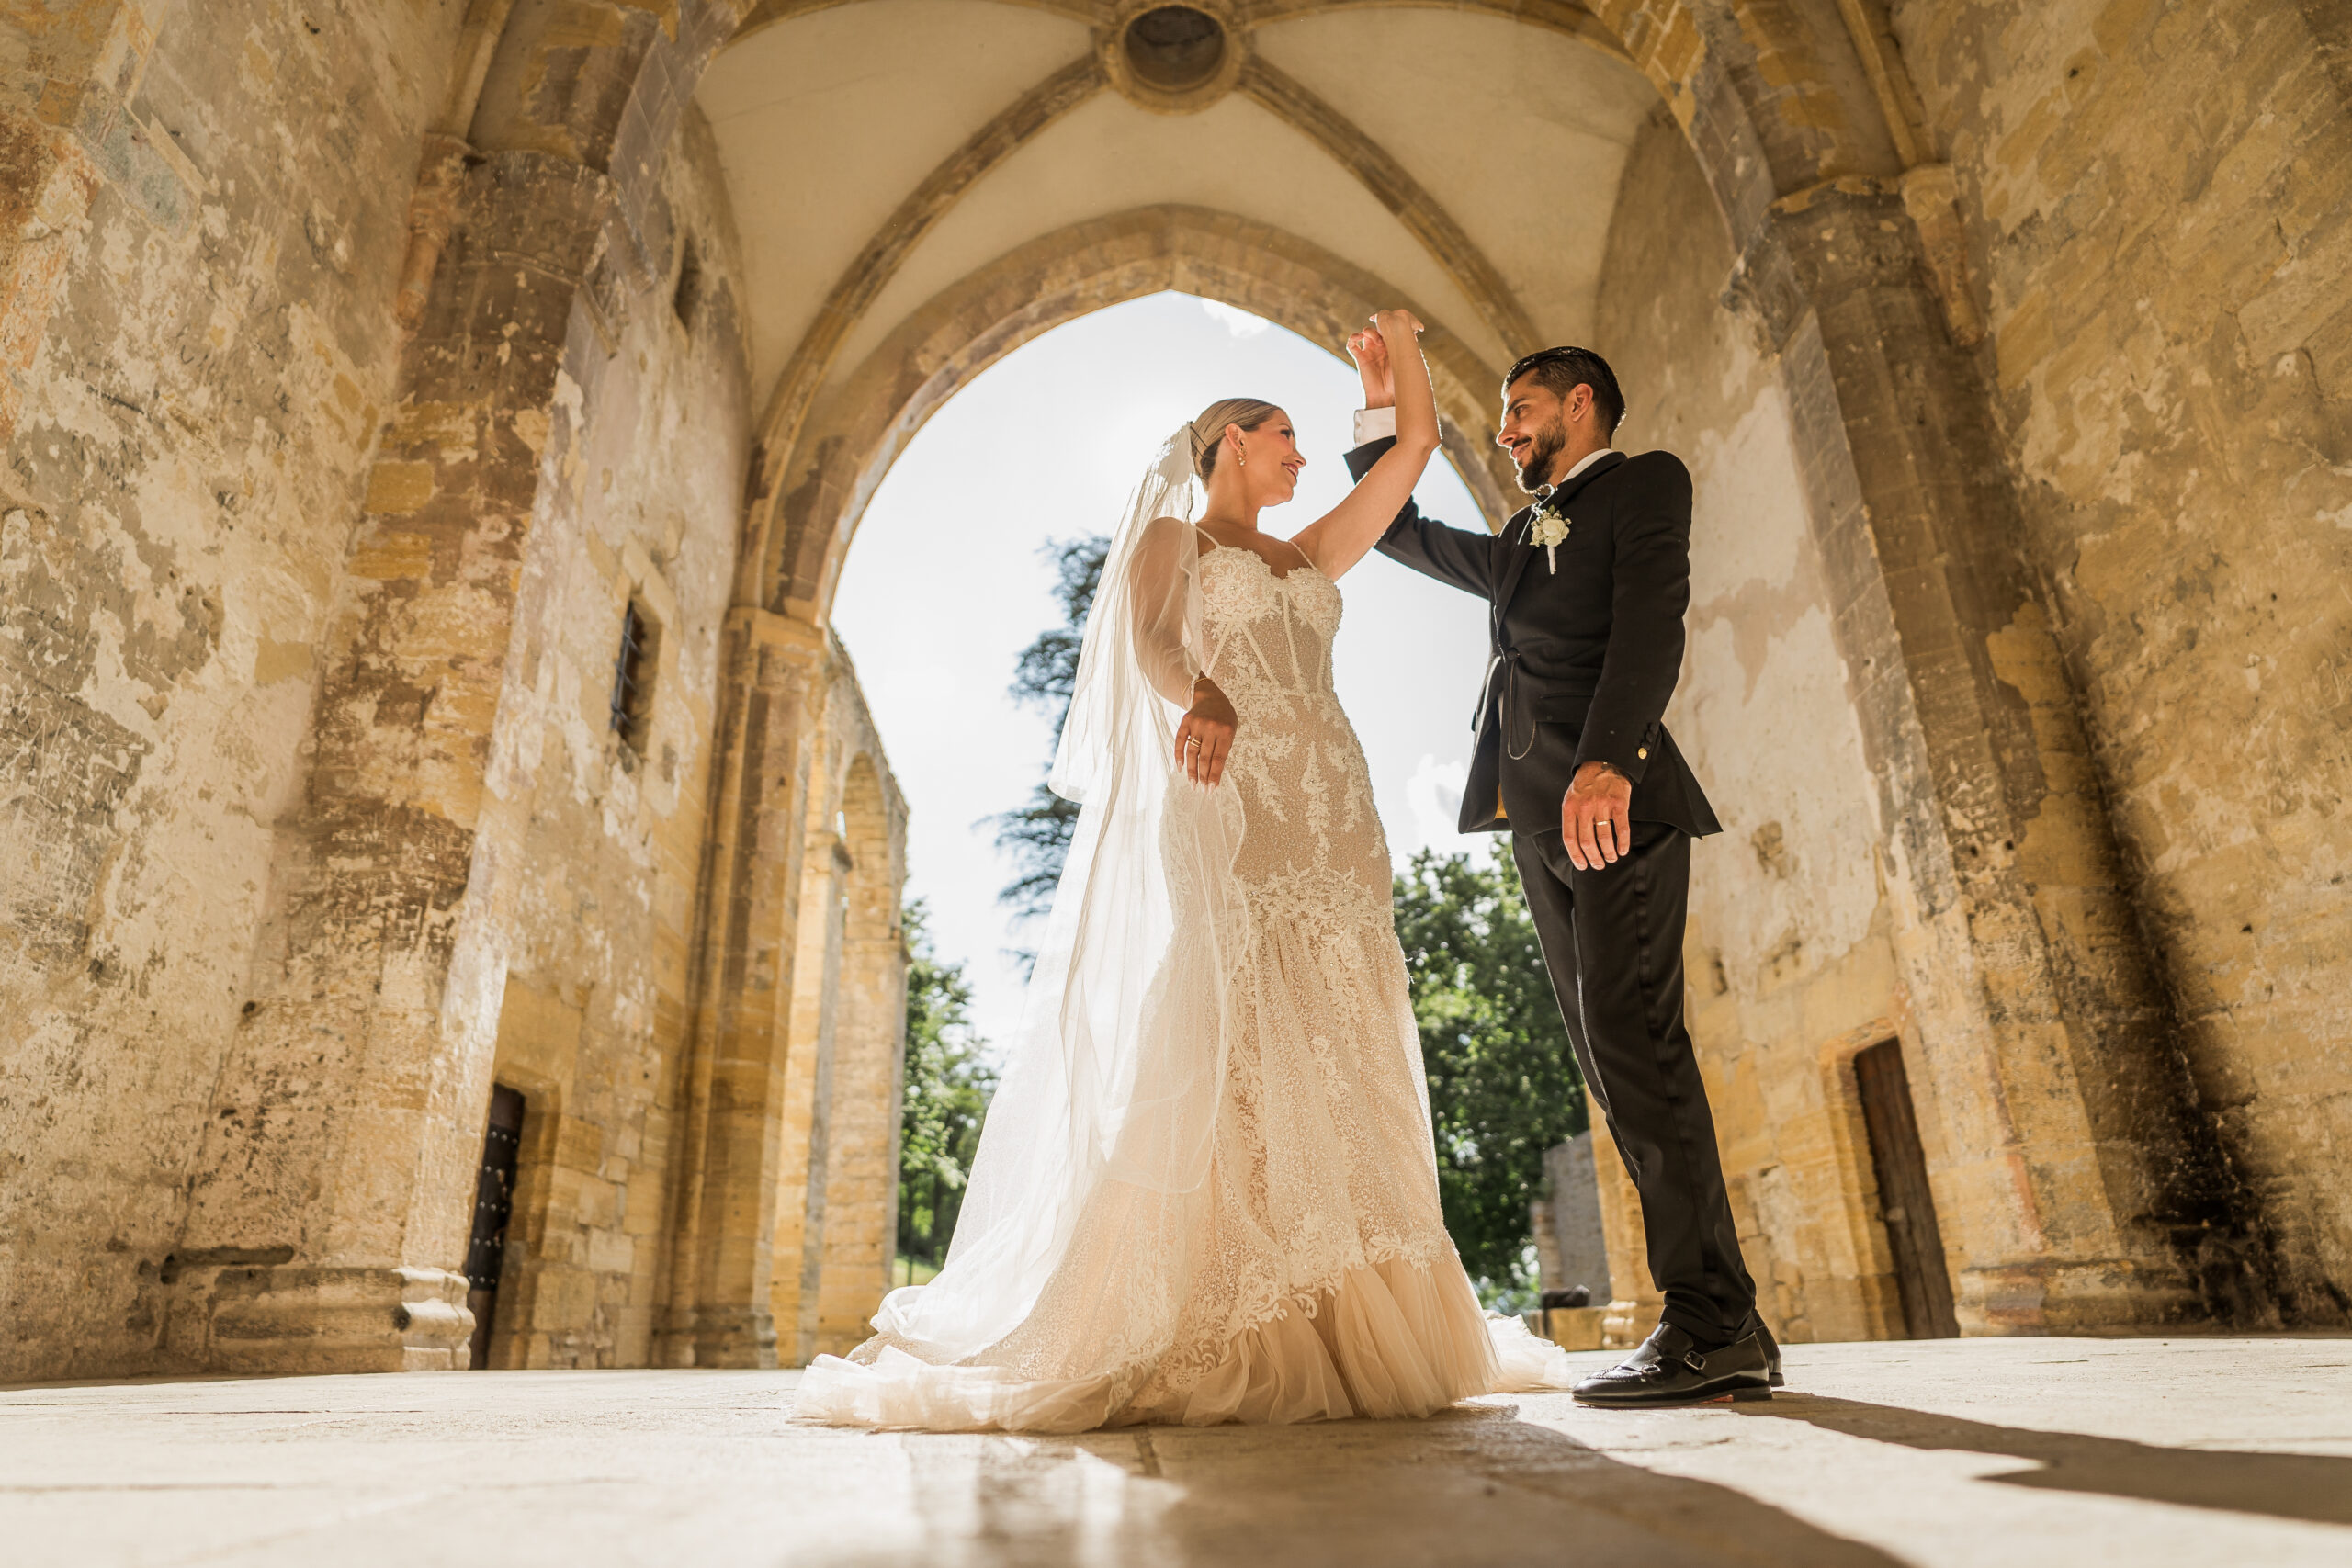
{"points": [[846, 445]]}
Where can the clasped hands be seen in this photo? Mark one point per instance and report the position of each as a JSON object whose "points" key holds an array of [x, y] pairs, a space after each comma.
{"points": [[1369, 349], [1594, 822]]}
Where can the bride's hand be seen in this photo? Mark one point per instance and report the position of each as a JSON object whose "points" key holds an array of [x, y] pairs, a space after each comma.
{"points": [[1206, 735], [1397, 326]]}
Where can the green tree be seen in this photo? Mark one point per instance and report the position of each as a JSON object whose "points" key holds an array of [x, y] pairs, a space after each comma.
{"points": [[1503, 1084], [949, 1082], [1036, 834]]}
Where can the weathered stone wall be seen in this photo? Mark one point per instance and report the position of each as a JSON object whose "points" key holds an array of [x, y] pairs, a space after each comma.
{"points": [[1788, 951], [203, 239], [330, 485], [607, 860], [2159, 206]]}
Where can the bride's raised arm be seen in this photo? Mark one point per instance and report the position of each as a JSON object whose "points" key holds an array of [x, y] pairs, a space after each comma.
{"points": [[1341, 537]]}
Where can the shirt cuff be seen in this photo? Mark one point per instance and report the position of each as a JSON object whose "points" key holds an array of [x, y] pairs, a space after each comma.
{"points": [[1374, 425]]}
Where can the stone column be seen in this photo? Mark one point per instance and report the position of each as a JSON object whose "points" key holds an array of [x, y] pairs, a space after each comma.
{"points": [[720, 1309], [2067, 1156], [341, 1143], [869, 1076], [804, 1193]]}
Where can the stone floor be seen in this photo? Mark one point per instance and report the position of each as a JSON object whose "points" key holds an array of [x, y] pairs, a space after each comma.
{"points": [[2016, 1452]]}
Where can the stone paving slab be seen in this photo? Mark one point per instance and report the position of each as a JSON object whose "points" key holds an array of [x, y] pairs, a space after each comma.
{"points": [[2012, 1452]]}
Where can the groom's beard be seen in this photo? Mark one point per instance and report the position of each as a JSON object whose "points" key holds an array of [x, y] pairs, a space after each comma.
{"points": [[1535, 468]]}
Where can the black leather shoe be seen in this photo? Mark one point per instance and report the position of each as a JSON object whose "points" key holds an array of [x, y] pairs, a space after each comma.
{"points": [[1755, 1325], [1670, 1369]]}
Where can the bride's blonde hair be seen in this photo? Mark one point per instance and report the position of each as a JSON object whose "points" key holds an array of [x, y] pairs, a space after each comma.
{"points": [[1208, 429]]}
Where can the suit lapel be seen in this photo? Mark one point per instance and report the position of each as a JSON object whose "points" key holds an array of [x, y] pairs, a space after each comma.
{"points": [[1522, 552], [1516, 552]]}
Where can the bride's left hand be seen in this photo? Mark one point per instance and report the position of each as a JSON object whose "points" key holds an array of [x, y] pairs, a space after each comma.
{"points": [[1206, 735]]}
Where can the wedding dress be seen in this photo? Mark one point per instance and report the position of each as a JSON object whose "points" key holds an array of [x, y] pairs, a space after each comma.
{"points": [[1206, 1190]]}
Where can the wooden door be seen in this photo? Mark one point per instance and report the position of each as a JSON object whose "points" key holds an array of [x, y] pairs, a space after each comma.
{"points": [[1905, 1202], [502, 1143]]}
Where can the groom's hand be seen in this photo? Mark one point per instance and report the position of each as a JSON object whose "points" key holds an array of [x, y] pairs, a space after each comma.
{"points": [[1370, 351], [1593, 821]]}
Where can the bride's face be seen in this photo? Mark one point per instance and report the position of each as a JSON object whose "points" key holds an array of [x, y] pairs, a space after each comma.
{"points": [[1270, 475]]}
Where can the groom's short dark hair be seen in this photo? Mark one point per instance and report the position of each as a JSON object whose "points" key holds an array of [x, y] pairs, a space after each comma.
{"points": [[1562, 371]]}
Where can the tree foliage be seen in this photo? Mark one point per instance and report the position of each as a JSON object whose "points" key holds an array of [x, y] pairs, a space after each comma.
{"points": [[1036, 834], [949, 1082], [1503, 1084]]}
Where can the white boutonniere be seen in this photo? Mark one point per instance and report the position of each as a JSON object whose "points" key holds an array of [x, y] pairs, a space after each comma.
{"points": [[1548, 528]]}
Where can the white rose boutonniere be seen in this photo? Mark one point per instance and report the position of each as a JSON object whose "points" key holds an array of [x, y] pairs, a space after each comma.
{"points": [[1548, 528]]}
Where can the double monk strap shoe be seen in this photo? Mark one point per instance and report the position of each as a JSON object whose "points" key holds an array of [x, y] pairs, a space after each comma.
{"points": [[1670, 1369]]}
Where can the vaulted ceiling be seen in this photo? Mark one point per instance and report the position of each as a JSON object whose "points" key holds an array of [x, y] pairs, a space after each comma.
{"points": [[1466, 154]]}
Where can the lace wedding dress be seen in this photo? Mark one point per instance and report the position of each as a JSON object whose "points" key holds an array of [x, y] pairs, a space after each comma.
{"points": [[1262, 1242]]}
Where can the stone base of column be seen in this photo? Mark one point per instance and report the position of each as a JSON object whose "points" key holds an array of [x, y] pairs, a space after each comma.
{"points": [[734, 1337], [294, 1319], [2103, 1296]]}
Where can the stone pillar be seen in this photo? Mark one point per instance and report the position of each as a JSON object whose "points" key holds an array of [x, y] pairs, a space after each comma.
{"points": [[803, 1191], [719, 1307], [2060, 1119], [344, 1129], [868, 1077]]}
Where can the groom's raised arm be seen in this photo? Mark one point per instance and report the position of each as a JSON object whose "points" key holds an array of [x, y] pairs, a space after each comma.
{"points": [[1450, 555]]}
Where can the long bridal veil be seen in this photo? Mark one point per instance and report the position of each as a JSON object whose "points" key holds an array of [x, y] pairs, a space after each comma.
{"points": [[1071, 1257]]}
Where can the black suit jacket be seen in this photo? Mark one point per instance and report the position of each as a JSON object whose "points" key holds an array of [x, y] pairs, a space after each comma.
{"points": [[1583, 659]]}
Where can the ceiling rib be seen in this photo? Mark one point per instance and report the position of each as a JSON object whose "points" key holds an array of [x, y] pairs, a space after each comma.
{"points": [[1398, 191], [882, 256]]}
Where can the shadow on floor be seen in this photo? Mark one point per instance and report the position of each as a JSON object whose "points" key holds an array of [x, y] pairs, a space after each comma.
{"points": [[2313, 1487], [1464, 1489]]}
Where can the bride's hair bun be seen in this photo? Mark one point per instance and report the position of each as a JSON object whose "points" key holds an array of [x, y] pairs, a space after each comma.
{"points": [[1208, 430]]}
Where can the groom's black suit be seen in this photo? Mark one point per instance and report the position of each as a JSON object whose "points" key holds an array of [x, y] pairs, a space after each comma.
{"points": [[1583, 660]]}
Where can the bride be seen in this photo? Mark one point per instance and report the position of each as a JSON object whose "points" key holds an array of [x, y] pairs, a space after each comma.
{"points": [[1206, 1190]]}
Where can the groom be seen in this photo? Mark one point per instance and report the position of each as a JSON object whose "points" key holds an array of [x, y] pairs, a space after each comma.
{"points": [[1587, 590]]}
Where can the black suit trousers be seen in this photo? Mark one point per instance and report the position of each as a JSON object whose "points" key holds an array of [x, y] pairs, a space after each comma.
{"points": [[1612, 940]]}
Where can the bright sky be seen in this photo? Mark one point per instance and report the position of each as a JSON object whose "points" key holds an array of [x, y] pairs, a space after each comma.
{"points": [[944, 585]]}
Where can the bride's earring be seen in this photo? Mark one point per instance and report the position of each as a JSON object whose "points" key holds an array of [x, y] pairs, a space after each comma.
{"points": [[1239, 455]]}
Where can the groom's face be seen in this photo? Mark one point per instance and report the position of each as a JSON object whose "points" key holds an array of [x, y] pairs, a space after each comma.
{"points": [[1534, 431]]}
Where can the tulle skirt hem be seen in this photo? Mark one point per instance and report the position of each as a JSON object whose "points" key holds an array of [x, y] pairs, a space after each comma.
{"points": [[1383, 1340]]}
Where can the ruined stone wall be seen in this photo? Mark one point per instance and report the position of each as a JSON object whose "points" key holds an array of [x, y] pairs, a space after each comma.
{"points": [[1788, 951], [606, 862], [2158, 207], [204, 233]]}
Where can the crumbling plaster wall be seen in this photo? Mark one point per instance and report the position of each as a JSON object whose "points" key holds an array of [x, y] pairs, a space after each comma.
{"points": [[1788, 950], [201, 351], [2159, 206], [599, 915]]}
